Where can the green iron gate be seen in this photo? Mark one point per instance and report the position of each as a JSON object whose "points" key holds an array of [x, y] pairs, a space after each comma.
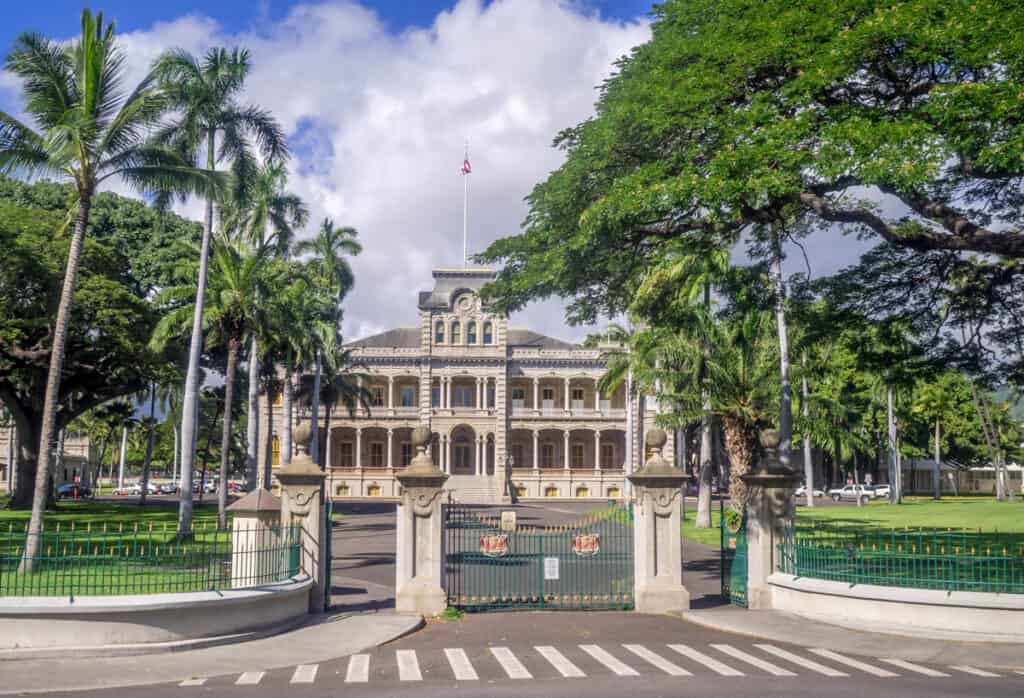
{"points": [[734, 554], [584, 565]]}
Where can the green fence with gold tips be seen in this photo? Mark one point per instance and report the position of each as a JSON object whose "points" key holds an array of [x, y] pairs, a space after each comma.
{"points": [[946, 559], [99, 559], [582, 565]]}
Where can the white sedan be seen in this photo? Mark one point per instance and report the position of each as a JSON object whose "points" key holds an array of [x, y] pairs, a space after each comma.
{"points": [[801, 491]]}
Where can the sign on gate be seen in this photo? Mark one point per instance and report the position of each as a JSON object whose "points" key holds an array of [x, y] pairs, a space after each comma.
{"points": [[508, 521], [550, 568], [494, 544]]}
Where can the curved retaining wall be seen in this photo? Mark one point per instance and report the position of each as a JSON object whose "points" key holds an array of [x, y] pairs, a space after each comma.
{"points": [[96, 621], [960, 615]]}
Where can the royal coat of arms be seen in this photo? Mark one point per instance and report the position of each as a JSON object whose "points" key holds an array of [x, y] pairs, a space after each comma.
{"points": [[586, 544], [494, 544]]}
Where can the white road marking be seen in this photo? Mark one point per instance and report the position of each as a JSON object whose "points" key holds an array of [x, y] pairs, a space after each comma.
{"points": [[657, 660], [856, 664], [192, 682], [710, 662], [461, 666], [617, 667], [753, 661], [512, 666], [801, 661], [408, 666], [305, 673], [977, 672], [916, 668], [249, 678], [558, 660], [358, 669]]}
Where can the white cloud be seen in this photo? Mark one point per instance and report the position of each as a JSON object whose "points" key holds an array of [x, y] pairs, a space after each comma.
{"points": [[378, 120]]}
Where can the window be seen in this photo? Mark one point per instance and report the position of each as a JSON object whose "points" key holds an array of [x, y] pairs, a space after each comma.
{"points": [[435, 397], [471, 333], [576, 455], [464, 396], [377, 392], [406, 456], [520, 491], [490, 395], [373, 491], [439, 333], [577, 398], [456, 333], [347, 459], [547, 394], [518, 397], [377, 454], [547, 455], [342, 490], [614, 493], [550, 491], [608, 456], [488, 333], [408, 396], [275, 451], [278, 398], [582, 491], [518, 461]]}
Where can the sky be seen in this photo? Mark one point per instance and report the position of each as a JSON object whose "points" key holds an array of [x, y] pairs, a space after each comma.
{"points": [[379, 97]]}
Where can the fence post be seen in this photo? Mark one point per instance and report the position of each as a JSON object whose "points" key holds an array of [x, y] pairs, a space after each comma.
{"points": [[254, 541], [769, 507], [657, 559], [302, 483], [418, 560]]}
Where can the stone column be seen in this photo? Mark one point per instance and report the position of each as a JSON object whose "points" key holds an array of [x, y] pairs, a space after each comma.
{"points": [[448, 451], [567, 405], [254, 538], [657, 558], [418, 560], [442, 450], [448, 392], [536, 449], [536, 394], [770, 506], [391, 463], [565, 449], [597, 396], [359, 447], [597, 449], [479, 456], [479, 394], [391, 392], [302, 486]]}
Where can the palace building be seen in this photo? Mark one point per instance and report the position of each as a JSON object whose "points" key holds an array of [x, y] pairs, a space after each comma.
{"points": [[495, 397]]}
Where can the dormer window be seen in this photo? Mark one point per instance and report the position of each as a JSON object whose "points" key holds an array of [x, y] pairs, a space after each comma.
{"points": [[471, 333], [439, 333], [488, 333], [456, 333]]}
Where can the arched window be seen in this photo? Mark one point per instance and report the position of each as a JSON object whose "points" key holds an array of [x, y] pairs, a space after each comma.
{"points": [[488, 333], [456, 333], [471, 333], [439, 333]]}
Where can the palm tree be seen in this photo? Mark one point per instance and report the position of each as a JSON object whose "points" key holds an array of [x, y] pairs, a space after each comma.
{"points": [[211, 128], [89, 132], [237, 278]]}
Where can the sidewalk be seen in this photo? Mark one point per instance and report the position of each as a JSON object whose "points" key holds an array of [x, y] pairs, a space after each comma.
{"points": [[331, 636]]}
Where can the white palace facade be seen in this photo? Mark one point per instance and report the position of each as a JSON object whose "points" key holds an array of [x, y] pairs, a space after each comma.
{"points": [[495, 397]]}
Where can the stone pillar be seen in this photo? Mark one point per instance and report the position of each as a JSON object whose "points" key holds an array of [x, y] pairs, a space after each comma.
{"points": [[536, 394], [302, 486], [536, 449], [597, 449], [359, 447], [391, 463], [418, 560], [442, 452], [597, 396], [448, 452], [448, 392], [770, 505], [479, 393], [657, 558], [567, 405], [565, 449], [391, 392], [255, 535]]}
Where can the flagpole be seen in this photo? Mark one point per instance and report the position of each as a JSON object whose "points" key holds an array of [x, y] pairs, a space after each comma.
{"points": [[465, 213]]}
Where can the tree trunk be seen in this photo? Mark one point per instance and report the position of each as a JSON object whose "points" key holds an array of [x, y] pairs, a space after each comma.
{"points": [[268, 442], [225, 437], [328, 405], [10, 459], [891, 449], [252, 427], [706, 469], [314, 407], [49, 422], [150, 438], [286, 420], [174, 471], [124, 449], [785, 398], [741, 444], [206, 452], [856, 478], [805, 409], [937, 479]]}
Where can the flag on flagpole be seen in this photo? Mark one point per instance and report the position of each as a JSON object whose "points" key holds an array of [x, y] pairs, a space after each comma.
{"points": [[466, 169]]}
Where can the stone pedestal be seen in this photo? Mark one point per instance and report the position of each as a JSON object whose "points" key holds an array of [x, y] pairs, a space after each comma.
{"points": [[770, 507], [658, 563], [418, 562], [255, 533], [302, 483]]}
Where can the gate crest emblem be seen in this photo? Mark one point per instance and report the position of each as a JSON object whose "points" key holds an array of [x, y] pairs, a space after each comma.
{"points": [[586, 544], [494, 544]]}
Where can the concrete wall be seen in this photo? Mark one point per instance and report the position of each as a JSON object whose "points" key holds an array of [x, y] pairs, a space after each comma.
{"points": [[97, 621], [956, 615]]}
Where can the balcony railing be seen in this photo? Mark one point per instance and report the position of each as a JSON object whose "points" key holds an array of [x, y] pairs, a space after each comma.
{"points": [[604, 413]]}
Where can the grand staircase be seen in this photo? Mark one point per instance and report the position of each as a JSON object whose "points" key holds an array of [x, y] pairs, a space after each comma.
{"points": [[474, 489]]}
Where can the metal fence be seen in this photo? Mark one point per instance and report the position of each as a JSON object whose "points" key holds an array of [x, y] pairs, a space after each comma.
{"points": [[950, 560], [115, 559]]}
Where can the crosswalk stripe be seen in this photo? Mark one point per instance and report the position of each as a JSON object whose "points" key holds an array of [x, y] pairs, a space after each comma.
{"points": [[305, 673], [358, 669], [192, 682], [617, 667], [974, 670], [752, 660], [561, 664], [408, 666], [512, 666], [710, 662], [249, 678], [916, 668], [460, 664], [801, 661], [657, 660], [856, 664]]}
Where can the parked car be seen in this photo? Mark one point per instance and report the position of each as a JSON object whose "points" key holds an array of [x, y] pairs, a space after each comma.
{"points": [[73, 490], [236, 487], [851, 493], [882, 491], [168, 488], [801, 491]]}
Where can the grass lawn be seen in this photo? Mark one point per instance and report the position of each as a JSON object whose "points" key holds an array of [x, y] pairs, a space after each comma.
{"points": [[711, 537], [98, 513]]}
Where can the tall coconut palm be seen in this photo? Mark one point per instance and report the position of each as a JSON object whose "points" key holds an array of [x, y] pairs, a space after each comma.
{"points": [[87, 130], [213, 129], [237, 278]]}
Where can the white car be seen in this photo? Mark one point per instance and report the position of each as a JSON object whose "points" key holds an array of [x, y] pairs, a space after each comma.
{"points": [[882, 491], [853, 493], [801, 491]]}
